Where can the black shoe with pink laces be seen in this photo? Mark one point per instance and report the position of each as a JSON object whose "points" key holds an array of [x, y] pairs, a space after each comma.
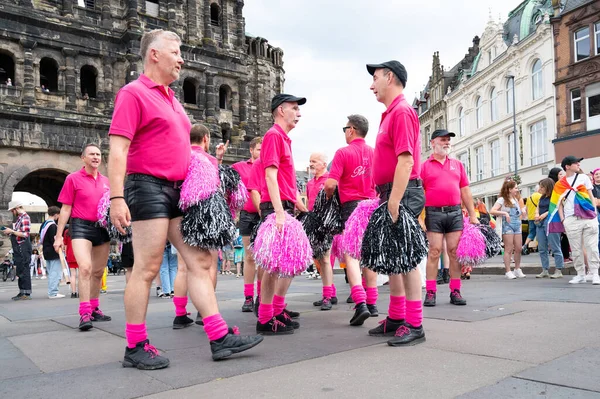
{"points": [[144, 357], [97, 315], [273, 327], [232, 343], [386, 328], [429, 298], [407, 335], [457, 299]]}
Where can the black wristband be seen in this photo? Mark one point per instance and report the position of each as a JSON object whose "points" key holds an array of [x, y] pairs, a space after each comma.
{"points": [[116, 197]]}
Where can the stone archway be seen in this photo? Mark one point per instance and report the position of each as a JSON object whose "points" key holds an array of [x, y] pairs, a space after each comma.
{"points": [[45, 183]]}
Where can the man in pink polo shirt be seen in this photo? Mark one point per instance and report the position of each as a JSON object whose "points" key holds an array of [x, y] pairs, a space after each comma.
{"points": [[79, 197], [352, 173], [446, 185], [248, 220], [396, 171], [279, 195], [150, 143]]}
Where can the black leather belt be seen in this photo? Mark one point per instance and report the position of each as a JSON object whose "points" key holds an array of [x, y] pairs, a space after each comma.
{"points": [[156, 180], [83, 221], [265, 206], [388, 186], [444, 209]]}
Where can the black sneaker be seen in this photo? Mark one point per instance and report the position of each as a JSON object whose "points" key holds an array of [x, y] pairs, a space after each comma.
{"points": [[231, 343], [256, 305], [446, 276], [73, 295], [287, 320], [97, 315], [373, 309], [318, 303], [349, 299], [333, 300], [386, 328], [457, 299], [182, 322], [248, 305], [17, 297], [85, 322], [361, 313], [326, 304], [429, 298], [407, 335], [199, 320], [291, 313], [273, 327], [144, 357], [440, 277]]}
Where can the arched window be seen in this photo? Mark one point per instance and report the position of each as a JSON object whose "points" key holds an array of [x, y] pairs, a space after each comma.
{"points": [[88, 77], [7, 70], [48, 75], [494, 104], [461, 122], [536, 80], [479, 111], [509, 95], [215, 14], [225, 97], [189, 91]]}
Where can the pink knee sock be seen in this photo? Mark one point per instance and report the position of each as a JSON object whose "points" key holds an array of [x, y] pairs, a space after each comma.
{"points": [[265, 312], [364, 282], [249, 290], [327, 292], [94, 303], [358, 294], [180, 303], [215, 327], [258, 287], [333, 290], [85, 308], [454, 284], [135, 333], [414, 313], [278, 304], [372, 294], [431, 285], [397, 309]]}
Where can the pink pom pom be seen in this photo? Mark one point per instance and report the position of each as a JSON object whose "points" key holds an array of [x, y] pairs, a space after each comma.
{"points": [[471, 246], [103, 206], [356, 226], [201, 181], [237, 199], [336, 247], [286, 253]]}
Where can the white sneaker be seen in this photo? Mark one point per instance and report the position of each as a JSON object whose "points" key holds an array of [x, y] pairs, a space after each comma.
{"points": [[579, 279], [543, 274], [510, 275], [595, 279], [519, 273], [43, 277], [56, 296], [588, 277], [557, 274]]}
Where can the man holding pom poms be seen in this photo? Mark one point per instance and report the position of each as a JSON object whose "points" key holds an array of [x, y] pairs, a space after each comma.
{"points": [[446, 184]]}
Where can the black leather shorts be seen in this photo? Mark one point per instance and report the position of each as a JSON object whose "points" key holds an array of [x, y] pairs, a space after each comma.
{"points": [[86, 230], [413, 199], [437, 221], [266, 208], [247, 223], [151, 198], [347, 209]]}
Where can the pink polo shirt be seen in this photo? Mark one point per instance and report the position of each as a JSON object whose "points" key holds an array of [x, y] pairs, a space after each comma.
{"points": [[313, 187], [83, 193], [276, 151], [158, 128], [398, 133], [442, 181], [213, 160], [352, 167], [256, 181], [244, 168]]}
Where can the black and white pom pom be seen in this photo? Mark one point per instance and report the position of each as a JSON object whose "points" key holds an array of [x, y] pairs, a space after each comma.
{"points": [[113, 233], [330, 212], [320, 240], [208, 224], [493, 242], [393, 248], [230, 178]]}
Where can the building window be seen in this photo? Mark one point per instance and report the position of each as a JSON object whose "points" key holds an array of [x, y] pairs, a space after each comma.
{"points": [[494, 104], [538, 143], [479, 164], [479, 112], [495, 157], [582, 44], [88, 78], [7, 70], [225, 97], [189, 91], [537, 80], [464, 158], [490, 57], [215, 14], [48, 75], [86, 3], [152, 8], [461, 122], [575, 105], [511, 152], [597, 31], [593, 106]]}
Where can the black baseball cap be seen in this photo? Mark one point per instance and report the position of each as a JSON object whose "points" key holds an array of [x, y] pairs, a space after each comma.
{"points": [[441, 133], [393, 66], [569, 160], [285, 98]]}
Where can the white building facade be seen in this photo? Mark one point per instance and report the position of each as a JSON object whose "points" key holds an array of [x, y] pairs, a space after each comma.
{"points": [[480, 108]]}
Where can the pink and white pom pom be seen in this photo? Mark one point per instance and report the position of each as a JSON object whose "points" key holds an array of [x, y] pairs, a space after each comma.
{"points": [[471, 246], [356, 226], [102, 212], [336, 247], [237, 198], [201, 181], [285, 253]]}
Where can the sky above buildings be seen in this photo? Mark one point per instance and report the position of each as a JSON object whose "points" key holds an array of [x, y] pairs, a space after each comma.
{"points": [[327, 43]]}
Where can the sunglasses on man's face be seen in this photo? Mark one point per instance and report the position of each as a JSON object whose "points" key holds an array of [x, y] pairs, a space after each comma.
{"points": [[346, 127]]}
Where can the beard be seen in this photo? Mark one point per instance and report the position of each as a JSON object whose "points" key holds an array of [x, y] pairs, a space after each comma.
{"points": [[440, 150]]}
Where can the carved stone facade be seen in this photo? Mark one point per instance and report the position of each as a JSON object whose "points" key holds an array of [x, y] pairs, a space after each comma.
{"points": [[63, 61], [576, 28]]}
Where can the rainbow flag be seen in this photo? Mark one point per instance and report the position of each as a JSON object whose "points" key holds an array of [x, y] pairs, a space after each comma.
{"points": [[584, 206]]}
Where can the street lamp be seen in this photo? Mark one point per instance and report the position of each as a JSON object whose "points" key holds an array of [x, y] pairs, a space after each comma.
{"points": [[512, 78]]}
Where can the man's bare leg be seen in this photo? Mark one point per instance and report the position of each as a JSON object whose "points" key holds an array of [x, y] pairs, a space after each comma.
{"points": [[99, 260], [249, 273], [436, 245], [357, 291]]}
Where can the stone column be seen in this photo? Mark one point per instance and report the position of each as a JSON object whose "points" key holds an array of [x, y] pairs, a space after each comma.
{"points": [[106, 18], [210, 95], [224, 25], [133, 24], [172, 15], [242, 84], [207, 25], [241, 29], [132, 69], [28, 74], [70, 77], [67, 8], [192, 24], [201, 93], [108, 77]]}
